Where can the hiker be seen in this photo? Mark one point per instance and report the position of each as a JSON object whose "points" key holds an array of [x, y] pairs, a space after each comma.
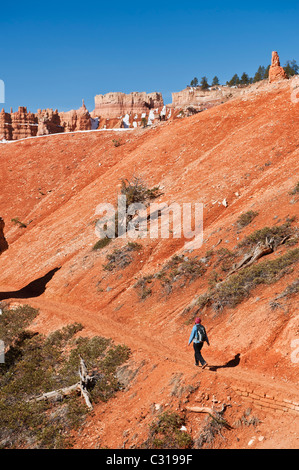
{"points": [[198, 336]]}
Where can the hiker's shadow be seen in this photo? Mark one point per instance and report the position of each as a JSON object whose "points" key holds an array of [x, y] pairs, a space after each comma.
{"points": [[232, 363]]}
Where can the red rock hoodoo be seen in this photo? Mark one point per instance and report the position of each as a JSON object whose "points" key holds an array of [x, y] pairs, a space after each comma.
{"points": [[23, 123], [276, 72]]}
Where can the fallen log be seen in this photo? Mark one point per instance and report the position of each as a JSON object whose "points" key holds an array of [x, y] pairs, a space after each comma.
{"points": [[57, 395], [215, 414], [82, 386]]}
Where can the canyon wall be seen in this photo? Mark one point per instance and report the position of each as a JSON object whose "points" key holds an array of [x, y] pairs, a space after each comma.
{"points": [[114, 105], [203, 99]]}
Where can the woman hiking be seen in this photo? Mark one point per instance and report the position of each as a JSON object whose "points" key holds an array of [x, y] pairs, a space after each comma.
{"points": [[198, 336]]}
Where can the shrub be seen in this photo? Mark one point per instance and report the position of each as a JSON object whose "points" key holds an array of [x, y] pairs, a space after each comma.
{"points": [[136, 190], [16, 221], [237, 287], [214, 426], [246, 218], [141, 285], [226, 258], [120, 258], [180, 268], [102, 243], [116, 142], [165, 433], [36, 364], [278, 233], [295, 190]]}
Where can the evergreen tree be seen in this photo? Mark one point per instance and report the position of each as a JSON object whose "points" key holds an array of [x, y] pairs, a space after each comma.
{"points": [[260, 74], [204, 83], [245, 80], [234, 81], [194, 82], [215, 81], [267, 71], [291, 68]]}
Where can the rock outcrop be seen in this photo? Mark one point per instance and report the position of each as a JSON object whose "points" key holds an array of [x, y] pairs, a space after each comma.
{"points": [[76, 120], [276, 72], [5, 126], [17, 125], [22, 124], [115, 105], [3, 242], [203, 99], [48, 122]]}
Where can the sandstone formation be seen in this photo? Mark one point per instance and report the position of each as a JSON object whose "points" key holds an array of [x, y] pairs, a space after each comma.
{"points": [[5, 126], [75, 120], [48, 122], [276, 72], [203, 99], [22, 124], [3, 242], [115, 105], [17, 125]]}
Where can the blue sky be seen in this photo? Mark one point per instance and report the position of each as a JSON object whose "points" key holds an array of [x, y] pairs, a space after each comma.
{"points": [[54, 54]]}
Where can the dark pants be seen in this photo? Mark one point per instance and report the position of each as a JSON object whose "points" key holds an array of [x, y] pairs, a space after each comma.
{"points": [[197, 353]]}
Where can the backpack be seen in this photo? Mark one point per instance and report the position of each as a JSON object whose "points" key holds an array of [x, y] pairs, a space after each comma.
{"points": [[200, 333]]}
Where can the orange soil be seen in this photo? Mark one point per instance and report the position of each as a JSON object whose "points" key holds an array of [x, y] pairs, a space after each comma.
{"points": [[245, 151]]}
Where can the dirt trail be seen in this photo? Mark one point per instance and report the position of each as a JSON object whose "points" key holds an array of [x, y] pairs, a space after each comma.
{"points": [[169, 364], [244, 151]]}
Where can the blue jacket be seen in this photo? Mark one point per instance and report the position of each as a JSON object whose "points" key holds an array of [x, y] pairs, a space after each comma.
{"points": [[193, 336]]}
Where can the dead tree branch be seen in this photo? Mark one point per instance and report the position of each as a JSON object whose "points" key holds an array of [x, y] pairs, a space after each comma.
{"points": [[82, 386]]}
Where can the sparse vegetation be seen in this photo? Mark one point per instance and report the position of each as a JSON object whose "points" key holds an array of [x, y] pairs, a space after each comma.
{"points": [[233, 290], [246, 218], [295, 190], [116, 142], [179, 271], [16, 221], [277, 233], [225, 258], [36, 364], [120, 258], [289, 291], [136, 191], [142, 286], [180, 268], [165, 433], [101, 243], [213, 427]]}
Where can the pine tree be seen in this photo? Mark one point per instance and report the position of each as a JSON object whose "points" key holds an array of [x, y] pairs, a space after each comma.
{"points": [[215, 81], [234, 81], [267, 71], [204, 83], [260, 74], [245, 79], [291, 68], [194, 82]]}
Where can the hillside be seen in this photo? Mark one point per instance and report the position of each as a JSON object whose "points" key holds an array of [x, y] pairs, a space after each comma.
{"points": [[244, 151]]}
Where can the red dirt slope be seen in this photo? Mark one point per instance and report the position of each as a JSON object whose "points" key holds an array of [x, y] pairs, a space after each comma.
{"points": [[245, 151]]}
